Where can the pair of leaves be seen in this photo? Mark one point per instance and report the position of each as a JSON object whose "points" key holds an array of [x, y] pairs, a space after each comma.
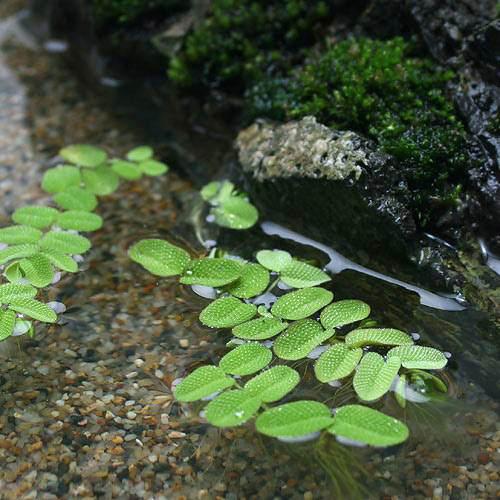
{"points": [[293, 272], [230, 209], [139, 162], [41, 217]]}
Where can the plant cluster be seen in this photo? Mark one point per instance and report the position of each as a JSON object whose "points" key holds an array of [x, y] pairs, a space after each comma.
{"points": [[378, 88], [45, 241], [241, 41], [230, 208], [254, 375]]}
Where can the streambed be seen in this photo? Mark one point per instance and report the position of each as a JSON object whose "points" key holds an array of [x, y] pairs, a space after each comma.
{"points": [[86, 408]]}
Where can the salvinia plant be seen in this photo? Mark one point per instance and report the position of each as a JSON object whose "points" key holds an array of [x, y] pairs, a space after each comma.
{"points": [[45, 241], [263, 367]]}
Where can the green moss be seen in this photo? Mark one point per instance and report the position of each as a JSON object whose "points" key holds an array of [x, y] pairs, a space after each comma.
{"points": [[378, 88], [126, 12], [243, 40]]}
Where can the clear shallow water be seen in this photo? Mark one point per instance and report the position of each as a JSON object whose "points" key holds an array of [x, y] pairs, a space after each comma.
{"points": [[86, 408]]}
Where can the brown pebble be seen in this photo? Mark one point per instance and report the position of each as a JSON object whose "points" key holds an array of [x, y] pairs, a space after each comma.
{"points": [[117, 440], [117, 450], [35, 447], [483, 458]]}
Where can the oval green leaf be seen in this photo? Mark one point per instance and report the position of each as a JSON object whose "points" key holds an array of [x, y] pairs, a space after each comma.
{"points": [[153, 167], [60, 260], [246, 359], [37, 270], [374, 376], [343, 313], [11, 291], [274, 260], [300, 338], [273, 384], [7, 323], [227, 312], [60, 178], [159, 257], [337, 362], [100, 181], [126, 170], [17, 252], [419, 357], [232, 408], [259, 329], [301, 303], [203, 382], [211, 272], [368, 426], [84, 155], [34, 309], [235, 213], [253, 280], [64, 242], [35, 216], [377, 336], [78, 220], [18, 235], [294, 419], [140, 153], [75, 198], [301, 275]]}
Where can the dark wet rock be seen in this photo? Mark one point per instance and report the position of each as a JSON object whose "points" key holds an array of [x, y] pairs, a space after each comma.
{"points": [[305, 172]]}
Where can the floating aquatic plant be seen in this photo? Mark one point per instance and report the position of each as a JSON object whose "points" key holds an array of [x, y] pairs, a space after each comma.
{"points": [[44, 240], [299, 322], [230, 208]]}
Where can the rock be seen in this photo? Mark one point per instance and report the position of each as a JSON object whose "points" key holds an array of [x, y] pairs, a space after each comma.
{"points": [[335, 181]]}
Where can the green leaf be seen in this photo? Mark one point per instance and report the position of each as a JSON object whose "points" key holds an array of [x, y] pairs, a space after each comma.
{"points": [[211, 272], [64, 242], [84, 155], [226, 191], [18, 235], [400, 390], [368, 426], [337, 362], [301, 303], [78, 220], [140, 153], [227, 312], [274, 260], [415, 356], [246, 359], [38, 270], [13, 272], [210, 190], [126, 169], [17, 252], [61, 178], [203, 382], [232, 408], [253, 281], [153, 167], [273, 384], [300, 338], [100, 181], [7, 323], [34, 309], [301, 275], [344, 312], [259, 329], [75, 198], [11, 291], [60, 260], [377, 336], [159, 257], [235, 213], [35, 216], [374, 376], [294, 419]]}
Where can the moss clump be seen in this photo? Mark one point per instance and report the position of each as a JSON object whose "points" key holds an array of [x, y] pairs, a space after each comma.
{"points": [[127, 12], [241, 41], [380, 89]]}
